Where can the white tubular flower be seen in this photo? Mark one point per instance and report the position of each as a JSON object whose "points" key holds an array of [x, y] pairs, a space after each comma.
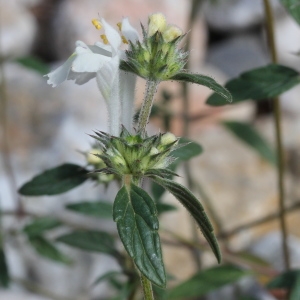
{"points": [[102, 61], [127, 80], [82, 65]]}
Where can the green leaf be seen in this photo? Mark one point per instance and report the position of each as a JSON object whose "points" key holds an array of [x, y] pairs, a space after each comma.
{"points": [[163, 208], [253, 259], [207, 281], [206, 81], [289, 280], [137, 222], [160, 293], [34, 63], [191, 203], [284, 280], [125, 292], [168, 173], [90, 240], [249, 135], [295, 292], [107, 276], [189, 150], [97, 209], [157, 191], [48, 250], [38, 226], [4, 275], [55, 181], [186, 152], [258, 84], [293, 7]]}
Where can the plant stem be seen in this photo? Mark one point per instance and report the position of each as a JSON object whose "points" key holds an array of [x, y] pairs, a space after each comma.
{"points": [[186, 104], [227, 255], [151, 87], [147, 288], [5, 140], [263, 220], [280, 151], [186, 122]]}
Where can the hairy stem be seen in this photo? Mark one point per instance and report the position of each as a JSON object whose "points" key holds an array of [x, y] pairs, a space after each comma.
{"points": [[151, 87], [280, 152], [147, 288]]}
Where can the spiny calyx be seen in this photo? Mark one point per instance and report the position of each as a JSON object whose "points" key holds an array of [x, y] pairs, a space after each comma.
{"points": [[135, 154], [158, 57]]}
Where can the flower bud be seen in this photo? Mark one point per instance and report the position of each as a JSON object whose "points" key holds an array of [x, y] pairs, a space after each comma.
{"points": [[171, 33], [167, 138], [153, 151], [157, 22], [119, 161], [158, 57], [91, 157], [105, 178]]}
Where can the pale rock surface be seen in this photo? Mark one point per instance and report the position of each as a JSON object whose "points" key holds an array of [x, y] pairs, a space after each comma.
{"points": [[18, 28], [247, 286], [287, 32], [21, 296], [269, 247], [238, 54], [236, 15]]}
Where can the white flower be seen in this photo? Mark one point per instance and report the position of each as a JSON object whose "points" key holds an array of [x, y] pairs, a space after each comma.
{"points": [[102, 61]]}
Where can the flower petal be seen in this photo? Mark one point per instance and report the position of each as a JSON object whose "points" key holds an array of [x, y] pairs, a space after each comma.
{"points": [[106, 76], [103, 46], [89, 62], [59, 75], [127, 90], [128, 31], [108, 83], [113, 36], [100, 50], [81, 78]]}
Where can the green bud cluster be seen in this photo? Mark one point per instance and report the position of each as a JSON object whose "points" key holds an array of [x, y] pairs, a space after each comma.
{"points": [[94, 160], [135, 154], [158, 57]]}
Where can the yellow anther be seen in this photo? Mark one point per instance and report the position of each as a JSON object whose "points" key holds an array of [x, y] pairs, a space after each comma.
{"points": [[104, 39], [97, 24], [119, 26], [124, 40]]}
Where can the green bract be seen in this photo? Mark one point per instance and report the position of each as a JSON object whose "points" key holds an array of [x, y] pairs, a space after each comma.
{"points": [[133, 154]]}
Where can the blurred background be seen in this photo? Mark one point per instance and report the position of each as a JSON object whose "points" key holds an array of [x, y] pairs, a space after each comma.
{"points": [[47, 126]]}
